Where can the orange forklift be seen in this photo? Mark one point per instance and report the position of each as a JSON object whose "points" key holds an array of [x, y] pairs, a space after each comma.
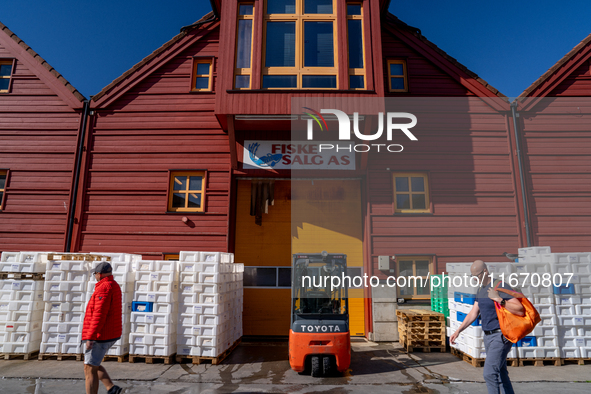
{"points": [[319, 338]]}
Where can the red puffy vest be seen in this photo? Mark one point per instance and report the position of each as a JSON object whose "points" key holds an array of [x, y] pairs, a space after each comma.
{"points": [[102, 320]]}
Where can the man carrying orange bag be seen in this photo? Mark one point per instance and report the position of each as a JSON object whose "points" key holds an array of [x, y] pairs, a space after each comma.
{"points": [[496, 345]]}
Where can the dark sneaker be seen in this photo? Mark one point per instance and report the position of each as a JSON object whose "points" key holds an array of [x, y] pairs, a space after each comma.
{"points": [[115, 390]]}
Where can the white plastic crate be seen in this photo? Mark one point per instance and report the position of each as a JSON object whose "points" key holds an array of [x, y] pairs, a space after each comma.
{"points": [[10, 257], [183, 350], [206, 330], [162, 350], [21, 306], [165, 265], [574, 320], [140, 328], [547, 342], [547, 320], [583, 309], [64, 307], [185, 340], [567, 299], [164, 307], [62, 328], [158, 318], [581, 268], [118, 350], [189, 256], [139, 349], [163, 276], [22, 267], [583, 288], [565, 310], [191, 288], [145, 265], [188, 319], [533, 250], [68, 265], [189, 277], [211, 320], [188, 266], [162, 287], [189, 298], [209, 351], [21, 347], [21, 285], [549, 352], [145, 296], [210, 257], [570, 352], [143, 286], [568, 332], [210, 298], [26, 316]]}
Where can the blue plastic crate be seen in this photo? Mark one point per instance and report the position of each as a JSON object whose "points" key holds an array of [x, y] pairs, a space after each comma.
{"points": [[570, 289], [458, 296], [461, 316], [142, 306], [528, 342], [469, 298]]}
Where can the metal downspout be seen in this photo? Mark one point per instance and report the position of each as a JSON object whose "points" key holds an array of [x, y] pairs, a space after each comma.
{"points": [[77, 175], [521, 174]]}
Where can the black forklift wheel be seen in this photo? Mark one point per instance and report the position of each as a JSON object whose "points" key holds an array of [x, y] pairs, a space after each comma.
{"points": [[326, 366], [316, 371]]}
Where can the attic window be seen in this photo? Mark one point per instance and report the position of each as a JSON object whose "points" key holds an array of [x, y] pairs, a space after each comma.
{"points": [[202, 75], [5, 75], [397, 77]]}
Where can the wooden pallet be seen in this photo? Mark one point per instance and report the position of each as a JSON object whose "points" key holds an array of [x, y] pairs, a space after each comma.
{"points": [[419, 315], [24, 356], [137, 358], [214, 360], [575, 361], [22, 275], [119, 359], [61, 356], [511, 362]]}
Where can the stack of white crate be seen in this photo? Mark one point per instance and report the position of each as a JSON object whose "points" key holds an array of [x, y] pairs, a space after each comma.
{"points": [[153, 332], [123, 265], [65, 298], [572, 303], [21, 303], [210, 312]]}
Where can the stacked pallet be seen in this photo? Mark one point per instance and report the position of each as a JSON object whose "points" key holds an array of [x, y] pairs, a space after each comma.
{"points": [[65, 297], [21, 304], [210, 313], [421, 330], [154, 311], [123, 265]]}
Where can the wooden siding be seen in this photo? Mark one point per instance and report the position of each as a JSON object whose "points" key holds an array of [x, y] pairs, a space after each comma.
{"points": [[38, 135], [472, 192], [156, 126], [556, 145]]}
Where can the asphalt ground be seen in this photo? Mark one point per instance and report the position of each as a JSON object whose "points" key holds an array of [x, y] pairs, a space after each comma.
{"points": [[264, 367]]}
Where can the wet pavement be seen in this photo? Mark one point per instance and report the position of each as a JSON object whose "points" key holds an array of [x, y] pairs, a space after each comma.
{"points": [[264, 367]]}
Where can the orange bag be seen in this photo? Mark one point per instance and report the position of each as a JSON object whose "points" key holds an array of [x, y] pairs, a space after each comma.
{"points": [[512, 326]]}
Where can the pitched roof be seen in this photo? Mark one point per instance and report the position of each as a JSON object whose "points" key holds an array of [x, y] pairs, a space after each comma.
{"points": [[417, 33], [42, 61], [148, 58], [556, 67]]}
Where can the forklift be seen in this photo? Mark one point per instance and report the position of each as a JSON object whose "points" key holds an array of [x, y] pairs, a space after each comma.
{"points": [[319, 338]]}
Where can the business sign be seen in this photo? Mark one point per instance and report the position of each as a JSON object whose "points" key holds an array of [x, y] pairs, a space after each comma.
{"points": [[294, 155]]}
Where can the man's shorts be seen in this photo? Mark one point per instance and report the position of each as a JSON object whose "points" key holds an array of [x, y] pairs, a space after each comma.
{"points": [[94, 356]]}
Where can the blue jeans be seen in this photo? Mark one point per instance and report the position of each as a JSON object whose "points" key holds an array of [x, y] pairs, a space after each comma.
{"points": [[495, 372]]}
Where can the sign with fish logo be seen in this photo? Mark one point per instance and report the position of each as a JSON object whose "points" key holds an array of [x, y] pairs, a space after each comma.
{"points": [[288, 155]]}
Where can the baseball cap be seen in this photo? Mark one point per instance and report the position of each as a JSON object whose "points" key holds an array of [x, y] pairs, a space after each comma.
{"points": [[102, 268]]}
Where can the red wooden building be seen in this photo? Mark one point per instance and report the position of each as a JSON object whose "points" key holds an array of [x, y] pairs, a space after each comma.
{"points": [[554, 114], [41, 116], [163, 169]]}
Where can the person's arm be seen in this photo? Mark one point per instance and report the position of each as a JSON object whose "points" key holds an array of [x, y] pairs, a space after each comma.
{"points": [[470, 318], [101, 310], [511, 304]]}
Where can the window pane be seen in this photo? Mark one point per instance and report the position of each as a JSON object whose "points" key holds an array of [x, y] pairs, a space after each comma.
{"points": [[422, 267], [356, 82], [318, 7], [280, 47], [180, 183], [245, 9], [2, 181], [406, 291], [195, 182], [405, 268], [202, 83], [242, 82], [243, 48], [260, 276], [318, 44], [355, 43], [1, 195], [284, 277], [353, 9], [401, 184], [397, 83], [4, 83], [319, 81], [423, 290], [417, 184], [402, 201], [281, 6], [178, 200], [203, 68], [418, 201], [194, 200], [280, 81], [396, 69], [5, 70]]}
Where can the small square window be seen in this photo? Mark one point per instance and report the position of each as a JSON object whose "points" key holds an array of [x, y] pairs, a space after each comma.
{"points": [[202, 76], [5, 75], [411, 193], [416, 271], [186, 191], [397, 76]]}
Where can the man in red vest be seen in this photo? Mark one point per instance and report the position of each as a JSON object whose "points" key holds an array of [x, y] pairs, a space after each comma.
{"points": [[102, 328]]}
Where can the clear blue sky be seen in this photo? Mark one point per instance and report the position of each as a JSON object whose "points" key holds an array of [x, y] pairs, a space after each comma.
{"points": [[509, 44]]}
